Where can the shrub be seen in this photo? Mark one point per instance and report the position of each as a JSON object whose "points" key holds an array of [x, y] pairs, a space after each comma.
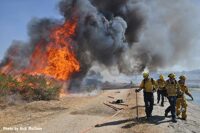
{"points": [[29, 87]]}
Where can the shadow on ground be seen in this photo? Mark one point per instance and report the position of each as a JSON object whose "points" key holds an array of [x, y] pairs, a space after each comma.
{"points": [[133, 122], [112, 123], [156, 120]]}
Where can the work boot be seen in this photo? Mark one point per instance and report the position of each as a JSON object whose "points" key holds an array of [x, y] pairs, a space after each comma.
{"points": [[184, 119], [148, 118], [174, 120]]}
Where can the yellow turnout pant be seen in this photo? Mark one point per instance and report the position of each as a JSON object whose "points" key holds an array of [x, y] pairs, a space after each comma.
{"points": [[181, 107]]}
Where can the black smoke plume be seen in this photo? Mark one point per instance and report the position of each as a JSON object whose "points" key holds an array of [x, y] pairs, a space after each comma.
{"points": [[129, 35]]}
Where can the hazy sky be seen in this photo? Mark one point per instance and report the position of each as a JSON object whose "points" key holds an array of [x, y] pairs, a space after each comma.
{"points": [[15, 15]]}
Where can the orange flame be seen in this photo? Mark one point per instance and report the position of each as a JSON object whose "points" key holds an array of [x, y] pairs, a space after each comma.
{"points": [[58, 60], [53, 57], [7, 68]]}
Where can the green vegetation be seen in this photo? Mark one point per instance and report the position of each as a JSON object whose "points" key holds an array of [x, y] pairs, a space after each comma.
{"points": [[29, 87]]}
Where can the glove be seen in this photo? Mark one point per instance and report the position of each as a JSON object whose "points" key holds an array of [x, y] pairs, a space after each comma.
{"points": [[192, 98]]}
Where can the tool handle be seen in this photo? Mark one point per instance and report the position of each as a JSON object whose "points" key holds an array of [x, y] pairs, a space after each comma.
{"points": [[137, 105]]}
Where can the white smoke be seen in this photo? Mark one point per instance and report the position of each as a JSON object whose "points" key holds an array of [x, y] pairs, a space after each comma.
{"points": [[171, 34]]}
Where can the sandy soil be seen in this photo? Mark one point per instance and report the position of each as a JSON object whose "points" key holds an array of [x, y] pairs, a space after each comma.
{"points": [[88, 114]]}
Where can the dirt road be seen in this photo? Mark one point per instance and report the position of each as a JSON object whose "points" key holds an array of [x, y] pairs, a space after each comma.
{"points": [[88, 114]]}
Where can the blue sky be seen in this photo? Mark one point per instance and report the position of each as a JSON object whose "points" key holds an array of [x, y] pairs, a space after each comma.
{"points": [[15, 15]]}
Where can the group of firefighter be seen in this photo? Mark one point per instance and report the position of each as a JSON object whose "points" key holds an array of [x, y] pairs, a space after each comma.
{"points": [[171, 88]]}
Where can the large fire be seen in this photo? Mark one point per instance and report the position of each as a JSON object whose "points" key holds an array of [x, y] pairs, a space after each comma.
{"points": [[53, 57], [58, 59]]}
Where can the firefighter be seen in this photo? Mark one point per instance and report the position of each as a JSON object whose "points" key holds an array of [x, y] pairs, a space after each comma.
{"points": [[148, 86], [161, 90], [181, 104], [173, 89]]}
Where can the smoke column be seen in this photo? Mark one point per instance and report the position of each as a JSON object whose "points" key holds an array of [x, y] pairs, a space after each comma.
{"points": [[128, 35]]}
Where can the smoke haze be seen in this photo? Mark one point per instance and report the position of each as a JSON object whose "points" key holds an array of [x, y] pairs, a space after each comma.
{"points": [[127, 35]]}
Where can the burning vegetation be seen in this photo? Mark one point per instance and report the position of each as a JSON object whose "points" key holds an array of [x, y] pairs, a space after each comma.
{"points": [[51, 59], [29, 87]]}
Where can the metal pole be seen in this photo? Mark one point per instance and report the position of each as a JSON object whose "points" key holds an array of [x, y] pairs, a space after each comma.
{"points": [[137, 106]]}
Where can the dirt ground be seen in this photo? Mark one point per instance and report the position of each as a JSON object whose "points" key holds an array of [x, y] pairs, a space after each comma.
{"points": [[88, 114]]}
